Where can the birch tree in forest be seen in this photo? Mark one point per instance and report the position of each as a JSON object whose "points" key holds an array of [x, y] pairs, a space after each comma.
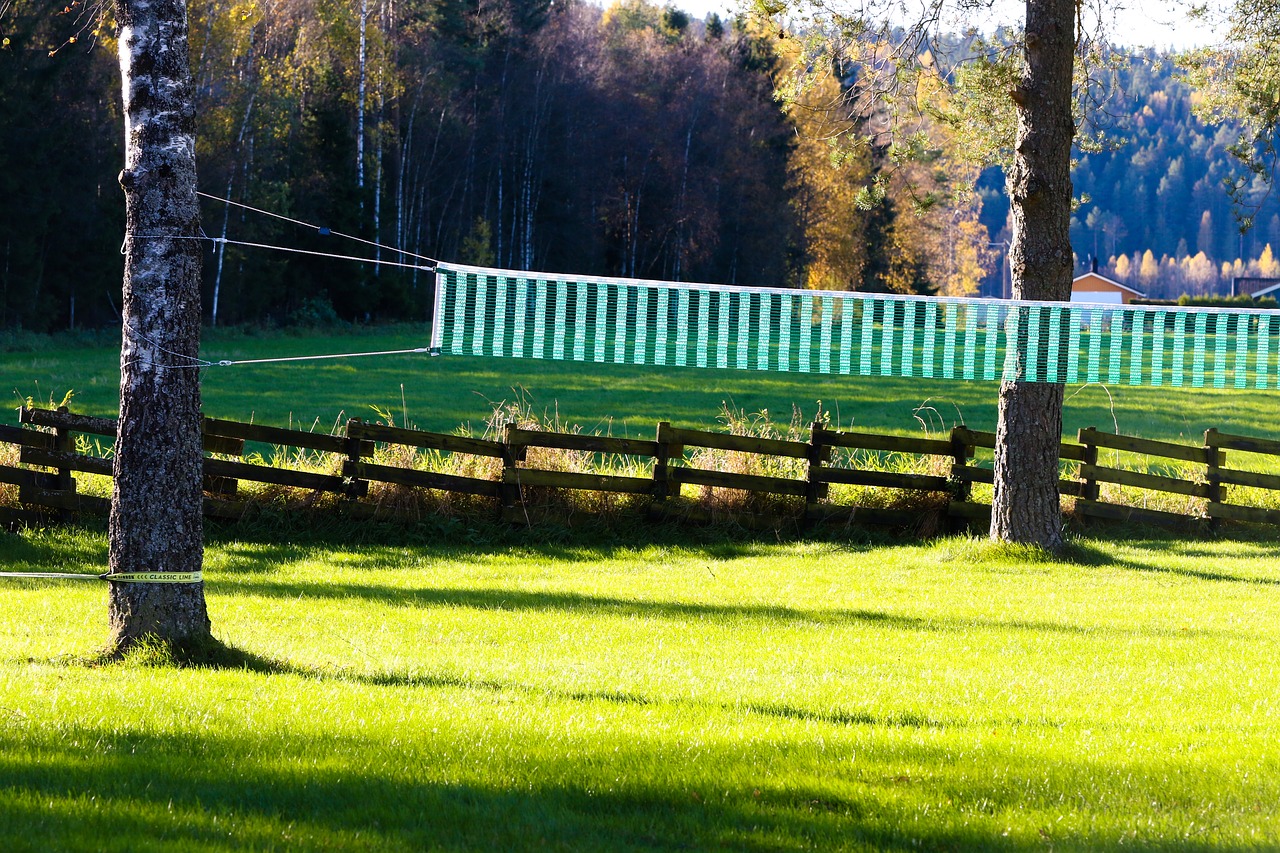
{"points": [[156, 524]]}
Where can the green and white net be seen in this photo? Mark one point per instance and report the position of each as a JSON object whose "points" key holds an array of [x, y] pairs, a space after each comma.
{"points": [[504, 314]]}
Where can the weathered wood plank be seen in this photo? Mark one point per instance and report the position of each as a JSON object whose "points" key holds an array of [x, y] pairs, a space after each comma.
{"points": [[1073, 488], [588, 482], [974, 438], [428, 440], [744, 482], [1266, 446], [275, 476], [25, 437], [223, 444], [683, 511], [68, 420], [884, 479], [1233, 512], [973, 474], [977, 438], [827, 513], [1253, 479], [740, 443], [1146, 446], [218, 508], [65, 460], [222, 485], [25, 477], [583, 443], [1071, 452], [59, 499], [891, 443], [14, 518], [421, 479], [105, 427], [1118, 512], [1154, 482], [971, 510], [274, 435]]}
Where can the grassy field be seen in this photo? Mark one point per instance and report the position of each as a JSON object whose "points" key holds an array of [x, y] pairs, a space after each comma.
{"points": [[656, 694], [446, 392]]}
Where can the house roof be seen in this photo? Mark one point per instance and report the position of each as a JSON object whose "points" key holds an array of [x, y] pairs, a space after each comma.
{"points": [[1273, 290], [1250, 285], [1102, 279]]}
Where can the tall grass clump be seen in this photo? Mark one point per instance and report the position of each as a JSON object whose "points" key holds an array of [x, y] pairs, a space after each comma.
{"points": [[728, 503], [566, 503], [9, 454]]}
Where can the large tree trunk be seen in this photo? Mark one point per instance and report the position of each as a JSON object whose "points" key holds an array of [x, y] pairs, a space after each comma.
{"points": [[156, 523], [1025, 505]]}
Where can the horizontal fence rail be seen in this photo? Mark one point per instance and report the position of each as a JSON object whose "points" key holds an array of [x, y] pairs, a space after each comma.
{"points": [[913, 482]]}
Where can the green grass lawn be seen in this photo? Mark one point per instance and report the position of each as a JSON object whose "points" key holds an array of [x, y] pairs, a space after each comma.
{"points": [[445, 392], [653, 692]]}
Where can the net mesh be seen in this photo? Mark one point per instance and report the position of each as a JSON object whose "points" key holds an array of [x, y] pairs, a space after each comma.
{"points": [[507, 314]]}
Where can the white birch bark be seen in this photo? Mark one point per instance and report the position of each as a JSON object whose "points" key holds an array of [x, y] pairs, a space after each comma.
{"points": [[156, 523]]}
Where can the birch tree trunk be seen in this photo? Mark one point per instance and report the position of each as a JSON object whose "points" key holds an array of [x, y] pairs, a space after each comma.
{"points": [[156, 523], [1025, 506]]}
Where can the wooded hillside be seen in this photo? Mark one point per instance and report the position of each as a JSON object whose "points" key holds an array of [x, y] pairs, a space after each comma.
{"points": [[530, 134]]}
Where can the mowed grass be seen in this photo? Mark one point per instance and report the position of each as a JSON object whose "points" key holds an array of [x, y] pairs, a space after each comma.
{"points": [[446, 392], [655, 694]]}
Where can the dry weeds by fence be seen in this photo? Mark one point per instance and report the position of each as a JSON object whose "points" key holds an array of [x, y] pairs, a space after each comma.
{"points": [[755, 471]]}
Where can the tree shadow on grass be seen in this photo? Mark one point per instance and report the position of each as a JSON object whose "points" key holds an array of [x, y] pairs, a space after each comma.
{"points": [[835, 717], [199, 792], [233, 659], [1088, 554], [67, 549], [137, 789], [249, 558], [512, 600], [203, 653], [1174, 549], [1196, 574]]}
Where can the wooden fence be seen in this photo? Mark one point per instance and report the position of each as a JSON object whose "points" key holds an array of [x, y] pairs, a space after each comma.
{"points": [[853, 477]]}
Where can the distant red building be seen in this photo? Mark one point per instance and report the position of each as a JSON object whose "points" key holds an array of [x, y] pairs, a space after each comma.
{"points": [[1097, 288]]}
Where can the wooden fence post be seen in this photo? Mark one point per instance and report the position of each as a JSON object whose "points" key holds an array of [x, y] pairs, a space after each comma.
{"points": [[63, 442], [1213, 459], [819, 454], [663, 488], [512, 494], [1090, 490], [959, 489], [351, 464], [961, 452]]}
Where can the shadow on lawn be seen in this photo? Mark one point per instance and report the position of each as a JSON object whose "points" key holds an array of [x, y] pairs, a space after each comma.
{"points": [[512, 600], [779, 711], [1197, 574], [244, 558], [55, 549], [389, 547], [232, 658], [207, 791], [1088, 554]]}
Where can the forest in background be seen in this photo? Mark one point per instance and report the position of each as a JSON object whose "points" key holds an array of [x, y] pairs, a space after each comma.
{"points": [[557, 136]]}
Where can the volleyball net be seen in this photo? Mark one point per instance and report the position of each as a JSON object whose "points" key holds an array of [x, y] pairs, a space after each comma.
{"points": [[506, 314]]}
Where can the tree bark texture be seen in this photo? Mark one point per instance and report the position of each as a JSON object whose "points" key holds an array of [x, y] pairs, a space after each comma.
{"points": [[156, 523], [1025, 506]]}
